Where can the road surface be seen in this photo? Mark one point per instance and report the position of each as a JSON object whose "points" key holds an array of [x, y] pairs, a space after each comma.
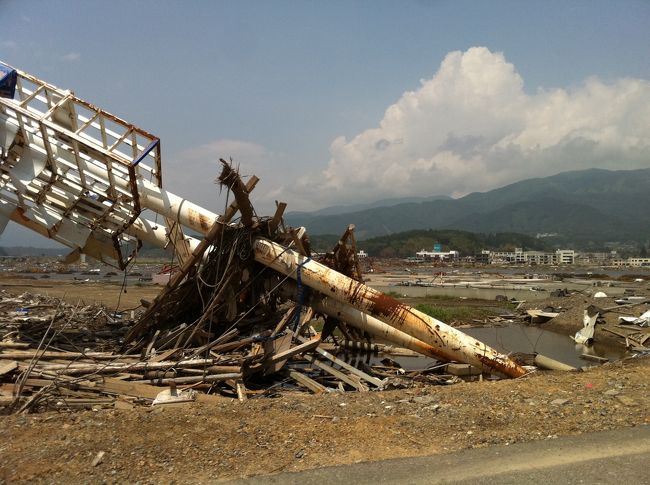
{"points": [[610, 457]]}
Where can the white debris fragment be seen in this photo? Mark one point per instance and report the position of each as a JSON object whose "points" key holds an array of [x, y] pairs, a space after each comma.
{"points": [[586, 333], [642, 321]]}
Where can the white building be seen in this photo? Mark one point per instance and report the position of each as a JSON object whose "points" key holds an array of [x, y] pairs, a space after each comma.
{"points": [[438, 255], [565, 256], [638, 262], [519, 256]]}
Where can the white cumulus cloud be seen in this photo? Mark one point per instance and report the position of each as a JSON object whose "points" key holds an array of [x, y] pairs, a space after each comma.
{"points": [[472, 127]]}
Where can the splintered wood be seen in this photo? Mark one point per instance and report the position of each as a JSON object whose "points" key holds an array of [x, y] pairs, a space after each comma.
{"points": [[225, 326]]}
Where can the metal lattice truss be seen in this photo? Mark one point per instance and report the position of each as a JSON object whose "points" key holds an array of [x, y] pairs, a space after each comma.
{"points": [[72, 171]]}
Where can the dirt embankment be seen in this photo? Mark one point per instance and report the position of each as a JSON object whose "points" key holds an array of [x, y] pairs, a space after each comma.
{"points": [[571, 312], [201, 443]]}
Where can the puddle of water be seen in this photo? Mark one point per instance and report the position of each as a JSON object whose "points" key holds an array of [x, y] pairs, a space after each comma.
{"points": [[521, 338], [513, 338]]}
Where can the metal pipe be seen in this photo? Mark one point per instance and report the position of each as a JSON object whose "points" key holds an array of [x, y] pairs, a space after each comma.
{"points": [[449, 344], [370, 324], [358, 319], [155, 233], [544, 362]]}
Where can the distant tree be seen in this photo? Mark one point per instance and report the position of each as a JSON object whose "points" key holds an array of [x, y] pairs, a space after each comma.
{"points": [[643, 252]]}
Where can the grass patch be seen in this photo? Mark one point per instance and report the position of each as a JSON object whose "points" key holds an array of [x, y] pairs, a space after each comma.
{"points": [[455, 313]]}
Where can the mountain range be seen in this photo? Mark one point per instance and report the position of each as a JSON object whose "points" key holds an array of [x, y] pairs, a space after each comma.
{"points": [[584, 208]]}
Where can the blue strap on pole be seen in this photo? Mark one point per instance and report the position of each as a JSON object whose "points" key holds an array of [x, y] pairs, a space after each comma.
{"points": [[301, 293]]}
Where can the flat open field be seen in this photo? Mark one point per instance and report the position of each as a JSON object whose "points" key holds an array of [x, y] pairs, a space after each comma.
{"points": [[87, 292]]}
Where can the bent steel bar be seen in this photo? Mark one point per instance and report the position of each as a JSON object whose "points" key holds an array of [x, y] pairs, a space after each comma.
{"points": [[447, 342]]}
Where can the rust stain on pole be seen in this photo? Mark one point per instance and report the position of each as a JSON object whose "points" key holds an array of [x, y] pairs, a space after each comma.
{"points": [[199, 220]]}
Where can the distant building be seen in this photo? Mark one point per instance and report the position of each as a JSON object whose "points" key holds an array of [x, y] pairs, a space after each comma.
{"points": [[519, 256], [597, 257], [483, 257], [565, 256], [362, 254], [438, 255]]}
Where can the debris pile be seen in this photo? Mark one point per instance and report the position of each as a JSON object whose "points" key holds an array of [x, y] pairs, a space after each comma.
{"points": [[54, 355], [225, 324]]}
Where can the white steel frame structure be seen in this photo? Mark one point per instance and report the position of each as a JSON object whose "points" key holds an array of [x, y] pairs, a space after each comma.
{"points": [[82, 176]]}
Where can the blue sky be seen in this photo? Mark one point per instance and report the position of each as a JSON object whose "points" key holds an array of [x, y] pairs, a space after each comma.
{"points": [[305, 93]]}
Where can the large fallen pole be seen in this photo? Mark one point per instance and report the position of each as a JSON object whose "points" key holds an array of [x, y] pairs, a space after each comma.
{"points": [[447, 342]]}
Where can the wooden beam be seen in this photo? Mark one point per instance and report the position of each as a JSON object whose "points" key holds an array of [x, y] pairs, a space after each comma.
{"points": [[7, 366], [298, 349], [306, 381], [277, 217], [336, 373], [350, 368]]}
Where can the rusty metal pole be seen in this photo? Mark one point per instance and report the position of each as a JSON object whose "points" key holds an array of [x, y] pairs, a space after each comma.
{"points": [[370, 324], [447, 342], [360, 320]]}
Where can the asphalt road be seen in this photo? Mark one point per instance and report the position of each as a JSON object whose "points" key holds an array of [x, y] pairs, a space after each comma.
{"points": [[610, 457]]}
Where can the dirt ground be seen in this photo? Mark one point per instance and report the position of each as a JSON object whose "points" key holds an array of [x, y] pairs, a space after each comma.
{"points": [[201, 442], [86, 292]]}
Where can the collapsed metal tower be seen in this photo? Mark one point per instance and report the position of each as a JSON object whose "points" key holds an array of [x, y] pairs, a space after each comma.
{"points": [[81, 176]]}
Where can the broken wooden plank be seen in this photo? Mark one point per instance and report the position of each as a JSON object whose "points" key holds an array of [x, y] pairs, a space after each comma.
{"points": [[305, 381], [7, 366], [128, 388], [241, 390], [191, 380], [277, 217], [350, 368], [163, 355], [276, 346], [51, 354], [77, 369], [298, 349], [226, 337], [335, 372], [14, 345], [178, 240], [285, 320]]}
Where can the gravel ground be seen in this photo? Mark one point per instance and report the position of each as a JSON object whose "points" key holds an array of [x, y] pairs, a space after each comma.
{"points": [[201, 443]]}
